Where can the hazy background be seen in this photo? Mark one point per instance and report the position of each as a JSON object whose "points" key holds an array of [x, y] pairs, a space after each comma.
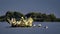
{"points": [[25, 6]]}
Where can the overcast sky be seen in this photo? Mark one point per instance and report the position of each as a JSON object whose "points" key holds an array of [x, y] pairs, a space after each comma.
{"points": [[25, 6]]}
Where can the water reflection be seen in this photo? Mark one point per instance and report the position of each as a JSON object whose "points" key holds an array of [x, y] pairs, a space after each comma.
{"points": [[53, 28]]}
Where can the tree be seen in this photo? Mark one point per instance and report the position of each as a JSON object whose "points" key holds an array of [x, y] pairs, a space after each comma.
{"points": [[52, 17], [14, 14]]}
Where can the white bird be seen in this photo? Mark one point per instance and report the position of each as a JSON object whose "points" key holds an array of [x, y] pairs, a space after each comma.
{"points": [[46, 27], [39, 25], [34, 25]]}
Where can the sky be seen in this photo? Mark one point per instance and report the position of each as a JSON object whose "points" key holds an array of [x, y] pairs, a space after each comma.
{"points": [[26, 6]]}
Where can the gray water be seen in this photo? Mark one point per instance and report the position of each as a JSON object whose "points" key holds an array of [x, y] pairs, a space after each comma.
{"points": [[53, 28]]}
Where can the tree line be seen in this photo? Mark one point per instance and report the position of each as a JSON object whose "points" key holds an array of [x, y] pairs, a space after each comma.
{"points": [[36, 16]]}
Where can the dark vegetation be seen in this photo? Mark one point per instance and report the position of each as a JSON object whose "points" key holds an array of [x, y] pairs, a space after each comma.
{"points": [[36, 16]]}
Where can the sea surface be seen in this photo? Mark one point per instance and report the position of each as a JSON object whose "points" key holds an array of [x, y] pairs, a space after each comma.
{"points": [[53, 28]]}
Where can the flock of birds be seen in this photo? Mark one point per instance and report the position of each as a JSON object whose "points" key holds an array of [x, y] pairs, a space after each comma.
{"points": [[39, 25]]}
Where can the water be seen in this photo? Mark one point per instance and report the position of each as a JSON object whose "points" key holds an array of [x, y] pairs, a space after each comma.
{"points": [[53, 28]]}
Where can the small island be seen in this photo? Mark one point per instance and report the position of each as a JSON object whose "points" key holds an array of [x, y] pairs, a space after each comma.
{"points": [[16, 19], [37, 17]]}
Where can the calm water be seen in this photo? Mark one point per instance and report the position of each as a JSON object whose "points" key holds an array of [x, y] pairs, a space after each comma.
{"points": [[53, 28]]}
